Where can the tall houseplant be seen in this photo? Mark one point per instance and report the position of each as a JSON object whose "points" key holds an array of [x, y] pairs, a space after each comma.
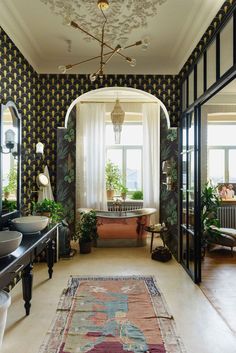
{"points": [[210, 201], [113, 178], [86, 231]]}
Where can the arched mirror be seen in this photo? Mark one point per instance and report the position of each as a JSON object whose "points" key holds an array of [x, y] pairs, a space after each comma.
{"points": [[10, 160]]}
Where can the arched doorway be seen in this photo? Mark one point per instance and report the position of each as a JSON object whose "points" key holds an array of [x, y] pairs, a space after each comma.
{"points": [[167, 147]]}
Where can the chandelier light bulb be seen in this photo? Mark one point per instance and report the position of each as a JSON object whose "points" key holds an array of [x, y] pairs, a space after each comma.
{"points": [[92, 77], [145, 43], [103, 4], [132, 62], [62, 68]]}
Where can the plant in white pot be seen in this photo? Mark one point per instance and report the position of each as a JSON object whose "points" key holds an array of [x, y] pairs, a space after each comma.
{"points": [[113, 178]]}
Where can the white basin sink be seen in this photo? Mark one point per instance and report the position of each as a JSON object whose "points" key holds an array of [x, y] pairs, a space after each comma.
{"points": [[30, 224], [9, 241]]}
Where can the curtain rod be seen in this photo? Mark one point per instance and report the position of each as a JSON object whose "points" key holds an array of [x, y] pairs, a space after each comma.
{"points": [[114, 102]]}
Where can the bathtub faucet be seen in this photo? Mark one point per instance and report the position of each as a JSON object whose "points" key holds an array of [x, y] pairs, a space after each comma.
{"points": [[118, 206]]}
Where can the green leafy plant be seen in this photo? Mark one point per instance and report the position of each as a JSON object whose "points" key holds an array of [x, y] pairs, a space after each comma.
{"points": [[86, 227], [113, 176], [210, 201], [137, 195], [11, 187], [55, 209], [123, 189]]}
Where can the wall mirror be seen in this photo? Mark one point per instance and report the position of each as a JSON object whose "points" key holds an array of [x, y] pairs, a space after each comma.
{"points": [[10, 159]]}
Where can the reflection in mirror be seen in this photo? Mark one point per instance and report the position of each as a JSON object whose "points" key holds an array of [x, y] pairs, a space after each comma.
{"points": [[218, 138], [9, 159]]}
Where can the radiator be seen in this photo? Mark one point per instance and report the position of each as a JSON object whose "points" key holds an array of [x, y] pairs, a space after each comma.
{"points": [[227, 216], [125, 206]]}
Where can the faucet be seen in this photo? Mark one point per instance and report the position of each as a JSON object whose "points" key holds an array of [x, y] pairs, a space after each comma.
{"points": [[118, 206]]}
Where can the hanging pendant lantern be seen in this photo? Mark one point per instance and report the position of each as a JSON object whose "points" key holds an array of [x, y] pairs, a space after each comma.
{"points": [[117, 118]]}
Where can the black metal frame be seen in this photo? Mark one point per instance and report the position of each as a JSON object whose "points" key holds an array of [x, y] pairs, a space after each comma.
{"points": [[7, 216], [221, 81]]}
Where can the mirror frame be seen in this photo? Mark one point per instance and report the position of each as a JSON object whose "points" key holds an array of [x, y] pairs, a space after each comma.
{"points": [[7, 216]]}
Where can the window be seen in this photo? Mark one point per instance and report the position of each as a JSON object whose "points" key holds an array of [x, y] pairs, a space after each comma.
{"points": [[128, 154], [222, 152]]}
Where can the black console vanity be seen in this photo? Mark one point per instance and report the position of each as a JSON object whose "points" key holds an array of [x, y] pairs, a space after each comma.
{"points": [[19, 264]]}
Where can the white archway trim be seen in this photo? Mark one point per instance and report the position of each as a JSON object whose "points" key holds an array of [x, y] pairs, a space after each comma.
{"points": [[148, 98]]}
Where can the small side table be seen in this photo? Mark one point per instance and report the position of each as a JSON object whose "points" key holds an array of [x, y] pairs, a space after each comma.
{"points": [[153, 231]]}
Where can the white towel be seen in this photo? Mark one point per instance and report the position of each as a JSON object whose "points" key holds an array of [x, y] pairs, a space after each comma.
{"points": [[45, 192]]}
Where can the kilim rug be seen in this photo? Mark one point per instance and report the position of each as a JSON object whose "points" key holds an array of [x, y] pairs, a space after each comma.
{"points": [[112, 315]]}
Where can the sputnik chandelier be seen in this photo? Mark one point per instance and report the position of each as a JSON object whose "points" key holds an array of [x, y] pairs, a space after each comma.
{"points": [[107, 50], [105, 57]]}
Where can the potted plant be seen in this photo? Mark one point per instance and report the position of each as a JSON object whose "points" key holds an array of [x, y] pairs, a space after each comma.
{"points": [[123, 191], [86, 231], [210, 201], [112, 178], [137, 195], [49, 208]]}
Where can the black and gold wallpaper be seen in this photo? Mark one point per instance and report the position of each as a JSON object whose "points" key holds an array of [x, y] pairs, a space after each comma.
{"points": [[43, 100]]}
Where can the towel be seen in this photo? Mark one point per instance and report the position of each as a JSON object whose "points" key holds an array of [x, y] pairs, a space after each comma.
{"points": [[45, 192]]}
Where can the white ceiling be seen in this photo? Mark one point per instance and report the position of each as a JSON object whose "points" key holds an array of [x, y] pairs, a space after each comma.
{"points": [[43, 38]]}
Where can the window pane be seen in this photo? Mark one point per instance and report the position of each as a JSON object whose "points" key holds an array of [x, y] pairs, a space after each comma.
{"points": [[134, 169], [216, 166], [211, 64], [191, 88], [232, 166], [200, 81], [115, 156], [226, 47], [221, 135], [131, 134]]}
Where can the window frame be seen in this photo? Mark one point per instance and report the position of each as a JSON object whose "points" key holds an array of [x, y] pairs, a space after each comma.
{"points": [[124, 149]]}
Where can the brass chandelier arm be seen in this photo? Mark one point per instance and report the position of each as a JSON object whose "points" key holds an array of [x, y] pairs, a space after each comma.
{"points": [[102, 45], [70, 66], [75, 25]]}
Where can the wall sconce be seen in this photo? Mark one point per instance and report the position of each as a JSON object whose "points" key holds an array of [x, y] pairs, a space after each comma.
{"points": [[9, 141], [39, 149]]}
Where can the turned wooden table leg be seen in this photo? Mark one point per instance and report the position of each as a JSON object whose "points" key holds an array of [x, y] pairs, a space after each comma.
{"points": [[50, 257], [27, 283]]}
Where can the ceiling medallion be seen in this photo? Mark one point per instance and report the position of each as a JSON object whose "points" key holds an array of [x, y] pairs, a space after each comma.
{"points": [[123, 16]]}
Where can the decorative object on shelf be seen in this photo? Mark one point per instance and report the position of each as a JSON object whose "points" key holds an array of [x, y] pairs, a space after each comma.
{"points": [[105, 57], [113, 179], [117, 118], [169, 168], [86, 231]]}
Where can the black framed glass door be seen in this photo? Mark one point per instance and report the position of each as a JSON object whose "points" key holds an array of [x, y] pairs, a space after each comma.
{"points": [[190, 211]]}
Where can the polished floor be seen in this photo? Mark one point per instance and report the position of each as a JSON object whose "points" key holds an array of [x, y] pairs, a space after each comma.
{"points": [[219, 283], [199, 325]]}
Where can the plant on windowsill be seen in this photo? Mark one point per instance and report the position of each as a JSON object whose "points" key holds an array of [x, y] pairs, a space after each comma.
{"points": [[113, 178], [210, 201], [86, 231], [137, 195], [50, 208], [123, 191]]}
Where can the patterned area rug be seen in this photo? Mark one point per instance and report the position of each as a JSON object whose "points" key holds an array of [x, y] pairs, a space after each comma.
{"points": [[112, 315]]}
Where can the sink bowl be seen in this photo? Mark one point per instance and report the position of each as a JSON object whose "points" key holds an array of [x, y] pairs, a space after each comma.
{"points": [[30, 224], [9, 241]]}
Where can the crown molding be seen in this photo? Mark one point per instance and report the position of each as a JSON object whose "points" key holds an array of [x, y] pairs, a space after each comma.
{"points": [[19, 33], [194, 25]]}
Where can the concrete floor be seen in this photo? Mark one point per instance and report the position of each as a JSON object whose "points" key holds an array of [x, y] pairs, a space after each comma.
{"points": [[197, 322]]}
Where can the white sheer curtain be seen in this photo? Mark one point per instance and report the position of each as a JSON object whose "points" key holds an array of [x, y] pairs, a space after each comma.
{"points": [[90, 156], [151, 156]]}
